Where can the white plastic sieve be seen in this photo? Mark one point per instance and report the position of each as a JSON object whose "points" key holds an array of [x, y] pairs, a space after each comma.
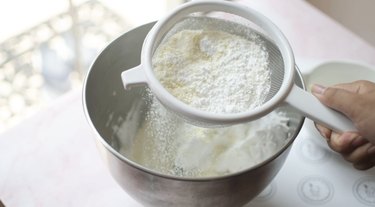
{"points": [[283, 89]]}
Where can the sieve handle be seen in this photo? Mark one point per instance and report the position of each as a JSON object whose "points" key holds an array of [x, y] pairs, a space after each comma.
{"points": [[313, 109], [134, 77]]}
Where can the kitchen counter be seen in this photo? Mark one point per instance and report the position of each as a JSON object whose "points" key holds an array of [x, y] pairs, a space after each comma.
{"points": [[50, 159]]}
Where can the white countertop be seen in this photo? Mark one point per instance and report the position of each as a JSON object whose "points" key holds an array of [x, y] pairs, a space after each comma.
{"points": [[50, 159]]}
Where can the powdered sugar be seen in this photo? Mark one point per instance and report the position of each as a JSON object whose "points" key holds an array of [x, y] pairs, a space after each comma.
{"points": [[213, 70]]}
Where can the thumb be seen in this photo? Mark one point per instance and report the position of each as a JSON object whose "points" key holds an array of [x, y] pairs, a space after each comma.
{"points": [[337, 98]]}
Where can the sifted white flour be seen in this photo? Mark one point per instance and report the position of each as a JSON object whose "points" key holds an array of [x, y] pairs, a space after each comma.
{"points": [[167, 144], [216, 72], [213, 70]]}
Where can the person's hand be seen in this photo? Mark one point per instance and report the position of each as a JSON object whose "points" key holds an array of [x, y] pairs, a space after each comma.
{"points": [[357, 101]]}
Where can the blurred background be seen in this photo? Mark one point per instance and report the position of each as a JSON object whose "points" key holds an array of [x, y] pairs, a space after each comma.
{"points": [[46, 47]]}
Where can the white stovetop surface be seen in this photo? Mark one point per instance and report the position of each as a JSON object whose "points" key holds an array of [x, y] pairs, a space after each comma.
{"points": [[50, 159]]}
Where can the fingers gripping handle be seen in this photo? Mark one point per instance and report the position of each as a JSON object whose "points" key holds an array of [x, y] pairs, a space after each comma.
{"points": [[133, 77], [313, 109]]}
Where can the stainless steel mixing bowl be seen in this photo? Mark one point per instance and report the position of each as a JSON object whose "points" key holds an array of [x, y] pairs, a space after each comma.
{"points": [[106, 103]]}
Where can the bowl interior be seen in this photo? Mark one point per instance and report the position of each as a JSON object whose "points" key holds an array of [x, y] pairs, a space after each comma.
{"points": [[109, 105]]}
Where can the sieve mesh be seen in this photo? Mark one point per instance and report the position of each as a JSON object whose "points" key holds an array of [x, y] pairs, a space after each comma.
{"points": [[229, 18], [233, 24], [234, 19]]}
